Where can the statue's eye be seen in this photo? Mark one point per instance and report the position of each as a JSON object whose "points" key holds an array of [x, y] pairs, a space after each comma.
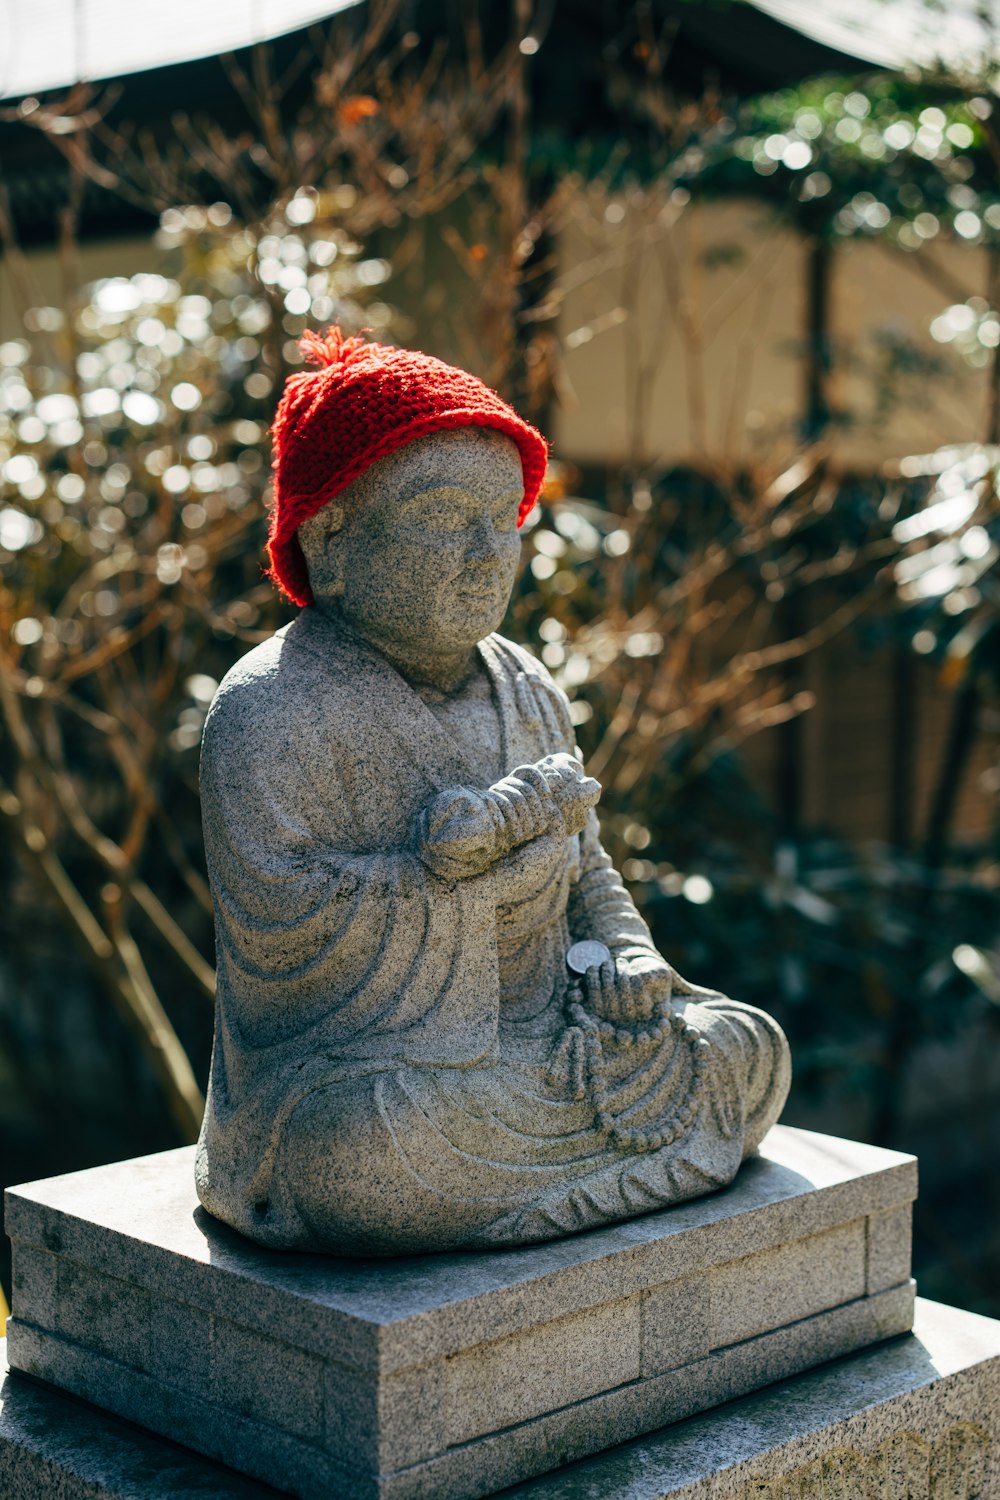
{"points": [[505, 511], [445, 515], [437, 510], [505, 517]]}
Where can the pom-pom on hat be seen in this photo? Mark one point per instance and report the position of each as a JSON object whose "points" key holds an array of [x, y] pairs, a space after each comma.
{"points": [[363, 402]]}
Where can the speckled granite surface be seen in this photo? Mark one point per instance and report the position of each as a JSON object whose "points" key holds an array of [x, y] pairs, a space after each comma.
{"points": [[914, 1418], [54, 1447], [451, 1375], [404, 849]]}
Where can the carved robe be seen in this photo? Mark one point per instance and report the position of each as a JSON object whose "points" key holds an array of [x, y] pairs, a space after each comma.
{"points": [[383, 1075]]}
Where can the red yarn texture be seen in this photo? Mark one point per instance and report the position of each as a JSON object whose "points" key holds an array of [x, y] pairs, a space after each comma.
{"points": [[365, 401]]}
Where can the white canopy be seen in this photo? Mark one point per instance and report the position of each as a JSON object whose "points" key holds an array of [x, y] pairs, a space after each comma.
{"points": [[954, 36], [47, 44]]}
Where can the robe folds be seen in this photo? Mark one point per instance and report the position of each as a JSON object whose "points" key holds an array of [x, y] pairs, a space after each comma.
{"points": [[384, 1070]]}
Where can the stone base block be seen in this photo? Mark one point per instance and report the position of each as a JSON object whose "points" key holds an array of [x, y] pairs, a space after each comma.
{"points": [[915, 1419], [55, 1447], [447, 1377]]}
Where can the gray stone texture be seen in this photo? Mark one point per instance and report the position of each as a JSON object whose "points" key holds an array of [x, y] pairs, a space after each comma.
{"points": [[451, 1375], [54, 1447], [403, 847], [889, 1237], [915, 1419]]}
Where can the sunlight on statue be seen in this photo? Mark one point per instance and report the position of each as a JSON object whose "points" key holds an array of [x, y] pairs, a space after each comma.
{"points": [[441, 1021]]}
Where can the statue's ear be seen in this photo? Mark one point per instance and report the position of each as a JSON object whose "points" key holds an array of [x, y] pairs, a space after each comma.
{"points": [[333, 548], [321, 541]]}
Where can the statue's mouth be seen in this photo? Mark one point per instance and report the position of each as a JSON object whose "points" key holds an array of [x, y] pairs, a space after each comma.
{"points": [[478, 590]]}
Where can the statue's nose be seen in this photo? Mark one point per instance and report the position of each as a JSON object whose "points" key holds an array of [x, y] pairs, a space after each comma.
{"points": [[483, 544]]}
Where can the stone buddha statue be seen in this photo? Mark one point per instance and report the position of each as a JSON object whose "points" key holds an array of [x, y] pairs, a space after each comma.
{"points": [[441, 1021]]}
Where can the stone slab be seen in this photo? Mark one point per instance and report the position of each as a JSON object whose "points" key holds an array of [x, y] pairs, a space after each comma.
{"points": [[55, 1447], [915, 1419], [447, 1376]]}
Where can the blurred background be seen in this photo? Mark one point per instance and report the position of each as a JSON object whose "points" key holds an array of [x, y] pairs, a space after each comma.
{"points": [[741, 261]]}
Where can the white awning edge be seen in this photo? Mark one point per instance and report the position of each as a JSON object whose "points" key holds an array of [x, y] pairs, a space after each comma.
{"points": [[954, 36], [52, 44]]}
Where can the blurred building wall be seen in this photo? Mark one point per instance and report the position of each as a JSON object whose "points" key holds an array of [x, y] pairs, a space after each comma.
{"points": [[717, 305]]}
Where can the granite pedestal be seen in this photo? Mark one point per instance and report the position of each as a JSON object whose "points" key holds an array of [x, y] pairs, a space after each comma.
{"points": [[914, 1419], [451, 1376]]}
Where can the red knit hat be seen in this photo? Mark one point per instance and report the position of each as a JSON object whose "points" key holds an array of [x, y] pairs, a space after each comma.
{"points": [[366, 401]]}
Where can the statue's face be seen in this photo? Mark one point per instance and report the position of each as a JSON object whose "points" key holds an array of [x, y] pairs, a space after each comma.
{"points": [[420, 552]]}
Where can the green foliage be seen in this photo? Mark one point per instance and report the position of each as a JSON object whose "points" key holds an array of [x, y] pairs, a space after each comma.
{"points": [[879, 155]]}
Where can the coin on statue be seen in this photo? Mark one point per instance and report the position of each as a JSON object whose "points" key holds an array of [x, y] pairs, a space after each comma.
{"points": [[586, 955]]}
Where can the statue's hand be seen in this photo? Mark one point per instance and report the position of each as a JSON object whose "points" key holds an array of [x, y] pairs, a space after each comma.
{"points": [[573, 791], [554, 795], [629, 987], [456, 835], [462, 832]]}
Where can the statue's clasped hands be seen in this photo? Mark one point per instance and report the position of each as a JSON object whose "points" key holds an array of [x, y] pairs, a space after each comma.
{"points": [[626, 989], [620, 1003], [463, 832]]}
